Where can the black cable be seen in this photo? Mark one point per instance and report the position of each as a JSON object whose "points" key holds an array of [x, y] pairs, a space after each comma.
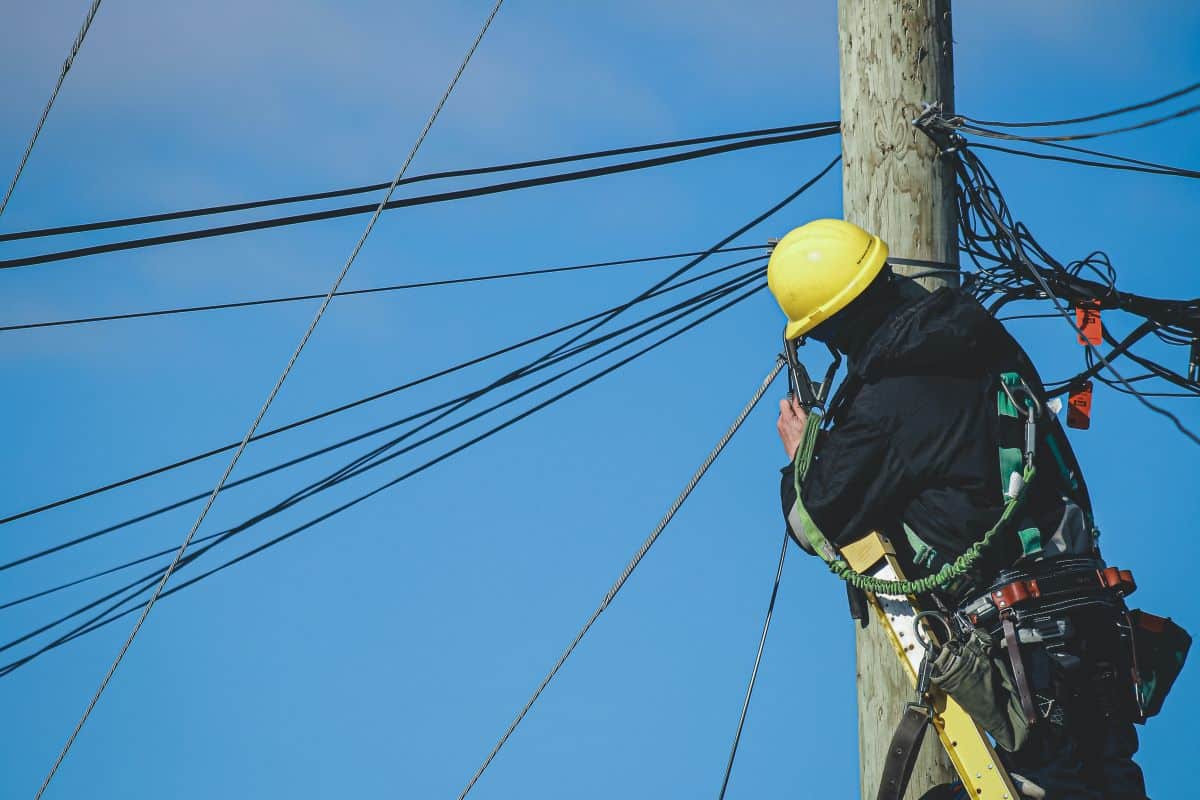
{"points": [[1178, 172], [341, 408], [373, 290], [1012, 239], [453, 404], [1062, 387], [339, 476], [1090, 117], [1070, 137], [440, 197], [353, 190], [762, 643], [599, 319], [8, 668], [517, 373]]}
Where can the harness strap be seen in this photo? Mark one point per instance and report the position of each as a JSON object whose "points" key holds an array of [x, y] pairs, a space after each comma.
{"points": [[902, 753], [1018, 668], [1017, 480]]}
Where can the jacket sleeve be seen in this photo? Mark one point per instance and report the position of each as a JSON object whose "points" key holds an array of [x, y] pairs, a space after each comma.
{"points": [[854, 485]]}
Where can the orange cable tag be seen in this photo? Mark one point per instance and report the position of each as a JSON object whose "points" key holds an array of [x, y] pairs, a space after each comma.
{"points": [[1079, 407], [1087, 319]]}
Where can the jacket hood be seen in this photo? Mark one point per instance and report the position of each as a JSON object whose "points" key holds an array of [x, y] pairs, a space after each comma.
{"points": [[945, 332]]}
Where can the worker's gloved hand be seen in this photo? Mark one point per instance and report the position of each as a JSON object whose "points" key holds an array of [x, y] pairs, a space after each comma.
{"points": [[792, 419]]}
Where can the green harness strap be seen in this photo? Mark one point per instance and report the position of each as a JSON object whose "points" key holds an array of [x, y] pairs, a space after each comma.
{"points": [[949, 572]]}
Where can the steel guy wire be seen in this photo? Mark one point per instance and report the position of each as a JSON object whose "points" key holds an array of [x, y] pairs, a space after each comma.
{"points": [[98, 621], [270, 397], [62, 76], [629, 568]]}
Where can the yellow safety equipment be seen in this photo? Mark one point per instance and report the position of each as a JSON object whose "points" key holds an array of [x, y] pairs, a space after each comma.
{"points": [[818, 268]]}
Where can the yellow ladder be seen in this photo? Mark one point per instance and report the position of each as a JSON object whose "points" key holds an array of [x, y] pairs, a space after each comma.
{"points": [[967, 745]]}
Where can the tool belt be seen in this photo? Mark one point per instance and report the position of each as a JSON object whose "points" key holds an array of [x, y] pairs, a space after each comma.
{"points": [[983, 666], [1017, 592]]}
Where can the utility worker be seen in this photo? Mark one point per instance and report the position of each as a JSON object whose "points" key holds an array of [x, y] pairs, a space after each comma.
{"points": [[910, 448]]}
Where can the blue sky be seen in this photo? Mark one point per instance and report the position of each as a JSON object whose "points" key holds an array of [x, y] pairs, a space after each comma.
{"points": [[383, 653]]}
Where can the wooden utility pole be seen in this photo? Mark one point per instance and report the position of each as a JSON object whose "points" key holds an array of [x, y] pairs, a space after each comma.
{"points": [[896, 55]]}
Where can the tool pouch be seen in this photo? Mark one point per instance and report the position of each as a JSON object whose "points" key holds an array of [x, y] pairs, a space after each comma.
{"points": [[1160, 648], [978, 679]]}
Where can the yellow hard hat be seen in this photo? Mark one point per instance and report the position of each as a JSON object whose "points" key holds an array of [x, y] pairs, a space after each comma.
{"points": [[818, 268]]}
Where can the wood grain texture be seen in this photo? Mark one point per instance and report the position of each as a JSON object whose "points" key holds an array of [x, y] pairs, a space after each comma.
{"points": [[896, 55]]}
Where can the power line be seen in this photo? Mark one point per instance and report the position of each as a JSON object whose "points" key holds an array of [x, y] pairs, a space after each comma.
{"points": [[1069, 137], [270, 397], [140, 585], [1178, 172], [349, 405], [512, 375], [373, 290], [597, 320], [983, 203], [353, 190], [62, 76], [1090, 117], [762, 643], [698, 301], [629, 568], [459, 194]]}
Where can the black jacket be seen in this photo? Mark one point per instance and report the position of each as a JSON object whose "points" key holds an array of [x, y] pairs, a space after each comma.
{"points": [[915, 436]]}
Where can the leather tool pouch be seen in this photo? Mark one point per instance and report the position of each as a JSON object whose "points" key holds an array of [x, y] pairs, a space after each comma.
{"points": [[974, 675], [1160, 649]]}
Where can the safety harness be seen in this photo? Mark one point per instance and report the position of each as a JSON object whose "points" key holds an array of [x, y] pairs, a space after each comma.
{"points": [[1017, 450], [1017, 471]]}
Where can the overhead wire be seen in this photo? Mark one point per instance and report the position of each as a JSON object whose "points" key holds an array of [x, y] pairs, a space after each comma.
{"points": [[688, 305], [762, 643], [62, 76], [723, 242], [338, 476], [638, 556], [980, 130], [270, 397], [1178, 172], [406, 202], [596, 321], [170, 216], [373, 290], [982, 204], [140, 585], [361, 401], [1090, 117]]}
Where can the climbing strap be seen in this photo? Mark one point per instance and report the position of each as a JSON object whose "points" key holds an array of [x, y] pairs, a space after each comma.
{"points": [[902, 752]]}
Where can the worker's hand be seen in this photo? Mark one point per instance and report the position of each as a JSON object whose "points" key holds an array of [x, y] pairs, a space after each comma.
{"points": [[792, 419]]}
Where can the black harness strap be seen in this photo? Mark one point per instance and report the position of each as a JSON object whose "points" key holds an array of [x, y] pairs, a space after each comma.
{"points": [[902, 752]]}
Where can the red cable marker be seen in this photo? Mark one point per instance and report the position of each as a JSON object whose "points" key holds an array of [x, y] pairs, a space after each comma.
{"points": [[1087, 319], [1079, 407]]}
